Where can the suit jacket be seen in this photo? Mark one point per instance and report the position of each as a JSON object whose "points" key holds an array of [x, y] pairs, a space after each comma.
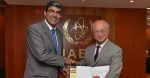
{"points": [[110, 54], [42, 61]]}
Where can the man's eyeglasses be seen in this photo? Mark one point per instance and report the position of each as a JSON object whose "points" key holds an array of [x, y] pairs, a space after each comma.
{"points": [[50, 11], [101, 32]]}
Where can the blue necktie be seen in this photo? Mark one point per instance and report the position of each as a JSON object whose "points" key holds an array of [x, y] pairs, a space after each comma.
{"points": [[55, 40]]}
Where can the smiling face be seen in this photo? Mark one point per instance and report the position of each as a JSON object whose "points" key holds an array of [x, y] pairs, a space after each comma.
{"points": [[100, 30], [53, 15]]}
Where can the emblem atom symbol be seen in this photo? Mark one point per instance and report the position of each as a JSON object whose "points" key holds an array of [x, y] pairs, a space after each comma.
{"points": [[79, 29]]}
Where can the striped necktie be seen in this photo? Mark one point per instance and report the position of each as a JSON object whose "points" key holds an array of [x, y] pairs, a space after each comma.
{"points": [[55, 40]]}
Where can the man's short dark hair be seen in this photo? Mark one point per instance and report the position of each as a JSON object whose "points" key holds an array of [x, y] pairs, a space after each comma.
{"points": [[53, 3]]}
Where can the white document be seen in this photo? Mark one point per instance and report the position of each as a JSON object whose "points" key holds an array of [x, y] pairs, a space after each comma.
{"points": [[91, 72]]}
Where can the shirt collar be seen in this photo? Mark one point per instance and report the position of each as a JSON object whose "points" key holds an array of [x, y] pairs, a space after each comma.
{"points": [[49, 26], [102, 45]]}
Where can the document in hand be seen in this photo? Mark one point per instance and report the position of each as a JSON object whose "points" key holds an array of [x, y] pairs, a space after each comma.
{"points": [[91, 72]]}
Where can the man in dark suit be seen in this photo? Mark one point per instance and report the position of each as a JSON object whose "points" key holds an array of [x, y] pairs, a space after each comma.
{"points": [[45, 45], [103, 52]]}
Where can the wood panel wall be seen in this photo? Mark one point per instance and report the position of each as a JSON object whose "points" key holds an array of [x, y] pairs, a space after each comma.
{"points": [[2, 39], [18, 18], [130, 28], [148, 38], [129, 34]]}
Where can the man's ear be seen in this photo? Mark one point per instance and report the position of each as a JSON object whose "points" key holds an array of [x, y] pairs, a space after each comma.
{"points": [[44, 13]]}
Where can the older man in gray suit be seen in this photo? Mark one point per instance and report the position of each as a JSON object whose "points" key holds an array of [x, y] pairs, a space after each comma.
{"points": [[103, 52], [45, 45]]}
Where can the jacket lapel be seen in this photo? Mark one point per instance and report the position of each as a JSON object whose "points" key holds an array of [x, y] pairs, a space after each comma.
{"points": [[48, 32], [104, 50], [92, 53]]}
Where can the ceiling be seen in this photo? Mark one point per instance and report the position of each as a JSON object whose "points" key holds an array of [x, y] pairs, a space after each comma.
{"points": [[88, 3]]}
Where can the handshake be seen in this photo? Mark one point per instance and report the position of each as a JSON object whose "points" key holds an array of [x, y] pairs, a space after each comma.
{"points": [[68, 62]]}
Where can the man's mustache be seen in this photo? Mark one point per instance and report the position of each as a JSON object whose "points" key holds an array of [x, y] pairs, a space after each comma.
{"points": [[54, 17]]}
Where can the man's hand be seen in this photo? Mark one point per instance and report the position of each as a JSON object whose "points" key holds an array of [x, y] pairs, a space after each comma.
{"points": [[69, 61]]}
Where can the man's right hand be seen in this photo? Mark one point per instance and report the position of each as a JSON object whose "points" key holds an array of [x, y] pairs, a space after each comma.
{"points": [[69, 61]]}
